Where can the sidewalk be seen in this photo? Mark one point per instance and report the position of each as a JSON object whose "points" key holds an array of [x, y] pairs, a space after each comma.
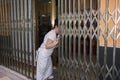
{"points": [[7, 74]]}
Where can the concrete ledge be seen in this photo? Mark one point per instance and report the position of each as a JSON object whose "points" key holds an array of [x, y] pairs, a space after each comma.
{"points": [[12, 74]]}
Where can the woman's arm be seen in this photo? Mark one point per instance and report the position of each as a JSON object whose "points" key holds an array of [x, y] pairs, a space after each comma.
{"points": [[50, 44]]}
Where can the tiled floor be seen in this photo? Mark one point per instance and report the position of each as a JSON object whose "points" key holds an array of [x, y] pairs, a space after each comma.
{"points": [[3, 76], [6, 74]]}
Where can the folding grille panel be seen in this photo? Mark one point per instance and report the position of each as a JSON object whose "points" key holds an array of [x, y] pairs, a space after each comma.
{"points": [[16, 36], [90, 44]]}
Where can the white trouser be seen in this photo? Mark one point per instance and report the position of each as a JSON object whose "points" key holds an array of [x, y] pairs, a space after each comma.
{"points": [[44, 67]]}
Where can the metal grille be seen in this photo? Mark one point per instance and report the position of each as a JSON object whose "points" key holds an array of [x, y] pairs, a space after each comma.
{"points": [[89, 48], [16, 36]]}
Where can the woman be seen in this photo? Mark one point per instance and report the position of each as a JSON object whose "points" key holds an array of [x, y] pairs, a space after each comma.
{"points": [[44, 63]]}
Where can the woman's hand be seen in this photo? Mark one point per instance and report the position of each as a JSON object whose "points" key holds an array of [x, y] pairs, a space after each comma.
{"points": [[58, 37], [56, 43]]}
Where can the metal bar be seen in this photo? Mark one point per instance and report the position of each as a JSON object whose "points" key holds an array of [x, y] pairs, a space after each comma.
{"points": [[12, 51], [8, 35], [14, 30], [91, 39], [70, 40], [69, 27], [59, 49], [21, 39], [10, 38], [74, 29], [90, 35], [0, 38], [32, 13], [17, 35], [5, 48], [98, 37], [1, 33], [105, 38], [28, 36], [8, 32], [15, 43], [12, 34], [79, 37], [5, 52], [84, 39], [16, 38], [21, 35], [24, 38], [114, 39], [98, 30], [3, 5], [2, 30]]}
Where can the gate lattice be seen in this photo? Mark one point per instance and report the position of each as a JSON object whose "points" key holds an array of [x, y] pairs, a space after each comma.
{"points": [[90, 44]]}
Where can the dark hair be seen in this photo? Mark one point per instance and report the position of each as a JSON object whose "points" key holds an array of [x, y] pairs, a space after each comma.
{"points": [[56, 22]]}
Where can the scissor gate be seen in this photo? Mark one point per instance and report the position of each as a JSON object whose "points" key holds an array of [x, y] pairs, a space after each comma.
{"points": [[17, 36], [90, 44]]}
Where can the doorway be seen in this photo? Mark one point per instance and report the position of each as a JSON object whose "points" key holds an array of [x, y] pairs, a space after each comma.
{"points": [[46, 13]]}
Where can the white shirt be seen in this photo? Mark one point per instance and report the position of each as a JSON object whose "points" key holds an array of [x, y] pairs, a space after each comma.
{"points": [[50, 35]]}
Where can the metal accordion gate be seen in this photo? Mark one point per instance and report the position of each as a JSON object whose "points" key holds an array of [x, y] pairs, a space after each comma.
{"points": [[90, 44], [17, 36]]}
